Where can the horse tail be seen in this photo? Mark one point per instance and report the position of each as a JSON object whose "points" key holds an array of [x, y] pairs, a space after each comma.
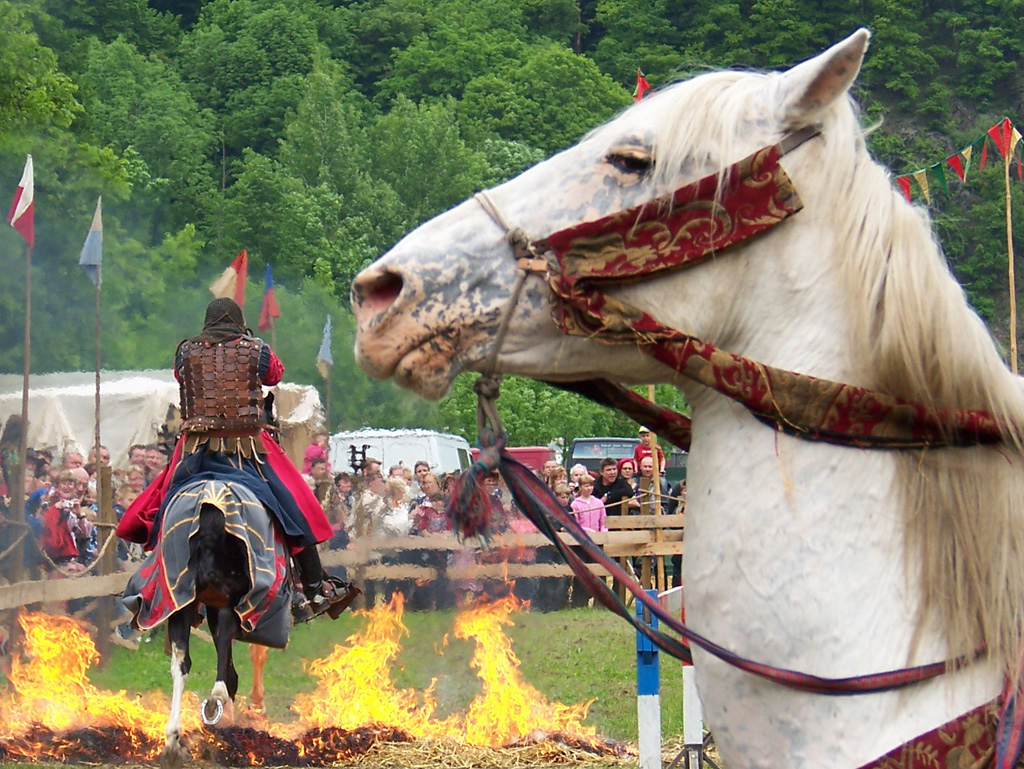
{"points": [[206, 543]]}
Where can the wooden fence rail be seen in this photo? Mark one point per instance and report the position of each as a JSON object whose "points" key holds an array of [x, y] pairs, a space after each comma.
{"points": [[631, 536]]}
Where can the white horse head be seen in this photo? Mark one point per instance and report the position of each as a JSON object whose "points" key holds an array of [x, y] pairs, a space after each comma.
{"points": [[829, 560]]}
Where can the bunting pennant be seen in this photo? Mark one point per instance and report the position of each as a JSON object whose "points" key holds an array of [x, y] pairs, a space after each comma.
{"points": [[1003, 134], [953, 161], [231, 283], [921, 177], [903, 182], [1000, 134], [91, 259], [324, 360], [642, 86], [22, 216], [269, 309]]}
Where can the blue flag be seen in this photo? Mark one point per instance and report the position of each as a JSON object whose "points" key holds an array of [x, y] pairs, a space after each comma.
{"points": [[92, 252], [324, 360]]}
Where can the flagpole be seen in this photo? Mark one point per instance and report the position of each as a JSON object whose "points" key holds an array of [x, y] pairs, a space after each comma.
{"points": [[273, 334], [18, 511], [327, 402], [96, 439], [1012, 280]]}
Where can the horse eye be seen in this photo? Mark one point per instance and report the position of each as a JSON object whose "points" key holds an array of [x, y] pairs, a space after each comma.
{"points": [[631, 162]]}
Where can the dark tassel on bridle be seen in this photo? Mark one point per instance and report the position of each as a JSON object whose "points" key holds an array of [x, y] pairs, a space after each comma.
{"points": [[469, 508]]}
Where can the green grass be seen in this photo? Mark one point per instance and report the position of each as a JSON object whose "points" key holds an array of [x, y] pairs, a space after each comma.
{"points": [[569, 656]]}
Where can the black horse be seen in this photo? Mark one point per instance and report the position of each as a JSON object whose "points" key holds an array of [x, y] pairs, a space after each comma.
{"points": [[220, 553]]}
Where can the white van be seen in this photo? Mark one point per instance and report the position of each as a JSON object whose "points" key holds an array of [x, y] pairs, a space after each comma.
{"points": [[445, 453]]}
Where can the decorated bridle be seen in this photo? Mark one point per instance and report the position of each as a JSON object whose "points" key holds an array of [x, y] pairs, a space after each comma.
{"points": [[679, 231]]}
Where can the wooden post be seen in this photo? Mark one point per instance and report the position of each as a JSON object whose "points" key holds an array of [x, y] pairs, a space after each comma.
{"points": [[107, 612]]}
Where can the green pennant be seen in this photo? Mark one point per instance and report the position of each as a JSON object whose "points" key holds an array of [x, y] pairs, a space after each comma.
{"points": [[940, 175]]}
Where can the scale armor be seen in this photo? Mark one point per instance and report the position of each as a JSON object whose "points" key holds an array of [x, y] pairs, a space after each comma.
{"points": [[220, 386]]}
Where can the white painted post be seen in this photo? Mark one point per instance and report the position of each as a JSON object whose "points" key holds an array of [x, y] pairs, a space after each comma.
{"points": [[648, 691], [693, 711]]}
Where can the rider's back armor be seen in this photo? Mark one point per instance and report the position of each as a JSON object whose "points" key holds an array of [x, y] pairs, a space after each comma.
{"points": [[220, 386]]}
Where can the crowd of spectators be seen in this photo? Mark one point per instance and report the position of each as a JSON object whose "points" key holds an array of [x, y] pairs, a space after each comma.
{"points": [[61, 499], [371, 505]]}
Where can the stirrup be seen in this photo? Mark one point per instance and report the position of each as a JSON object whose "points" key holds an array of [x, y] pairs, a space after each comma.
{"points": [[332, 597]]}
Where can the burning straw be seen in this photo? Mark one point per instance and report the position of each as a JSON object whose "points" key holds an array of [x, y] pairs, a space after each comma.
{"points": [[355, 715]]}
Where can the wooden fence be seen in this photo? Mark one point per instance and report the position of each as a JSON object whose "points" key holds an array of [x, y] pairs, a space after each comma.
{"points": [[641, 539]]}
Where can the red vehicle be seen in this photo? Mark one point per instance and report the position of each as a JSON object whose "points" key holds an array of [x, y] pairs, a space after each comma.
{"points": [[533, 457]]}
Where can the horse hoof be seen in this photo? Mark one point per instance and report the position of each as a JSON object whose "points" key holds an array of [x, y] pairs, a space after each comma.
{"points": [[174, 756], [211, 711]]}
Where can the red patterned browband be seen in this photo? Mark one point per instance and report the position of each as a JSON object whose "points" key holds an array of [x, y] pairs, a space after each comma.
{"points": [[683, 229]]}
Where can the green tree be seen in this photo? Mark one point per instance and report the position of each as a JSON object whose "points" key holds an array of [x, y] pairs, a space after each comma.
{"points": [[637, 34], [248, 63], [35, 93], [547, 101], [419, 152], [137, 102]]}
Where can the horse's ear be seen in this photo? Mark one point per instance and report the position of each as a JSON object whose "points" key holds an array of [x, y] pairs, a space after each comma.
{"points": [[810, 87]]}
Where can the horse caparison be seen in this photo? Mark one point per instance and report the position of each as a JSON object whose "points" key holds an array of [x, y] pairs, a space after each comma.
{"points": [[824, 559], [220, 552]]}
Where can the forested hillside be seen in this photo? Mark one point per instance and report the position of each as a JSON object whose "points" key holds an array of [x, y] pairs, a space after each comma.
{"points": [[314, 134]]}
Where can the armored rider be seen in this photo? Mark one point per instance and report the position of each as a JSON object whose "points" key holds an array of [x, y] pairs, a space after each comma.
{"points": [[226, 434]]}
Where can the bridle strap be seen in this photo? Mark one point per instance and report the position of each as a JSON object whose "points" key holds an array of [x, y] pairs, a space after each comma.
{"points": [[798, 404]]}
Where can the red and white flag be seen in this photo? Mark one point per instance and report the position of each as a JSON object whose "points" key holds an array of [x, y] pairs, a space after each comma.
{"points": [[21, 217], [231, 283]]}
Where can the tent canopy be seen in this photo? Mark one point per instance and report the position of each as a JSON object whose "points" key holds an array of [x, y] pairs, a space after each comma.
{"points": [[134, 407]]}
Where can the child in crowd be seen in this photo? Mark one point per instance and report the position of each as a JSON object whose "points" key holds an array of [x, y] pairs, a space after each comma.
{"points": [[588, 509]]}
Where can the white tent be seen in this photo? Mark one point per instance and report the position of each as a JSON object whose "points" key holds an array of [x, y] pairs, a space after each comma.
{"points": [[134, 407]]}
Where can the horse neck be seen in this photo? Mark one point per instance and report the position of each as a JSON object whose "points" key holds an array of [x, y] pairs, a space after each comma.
{"points": [[797, 551], [795, 557]]}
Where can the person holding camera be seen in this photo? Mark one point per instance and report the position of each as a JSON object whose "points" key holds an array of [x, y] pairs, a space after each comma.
{"points": [[63, 522]]}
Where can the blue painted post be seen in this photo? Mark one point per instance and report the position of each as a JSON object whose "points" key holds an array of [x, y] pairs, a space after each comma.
{"points": [[648, 691]]}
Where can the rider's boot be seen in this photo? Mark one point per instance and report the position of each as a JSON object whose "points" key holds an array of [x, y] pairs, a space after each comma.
{"points": [[325, 594]]}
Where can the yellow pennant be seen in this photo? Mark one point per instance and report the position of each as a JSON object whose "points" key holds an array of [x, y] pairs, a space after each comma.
{"points": [[966, 154], [1014, 138], [921, 177]]}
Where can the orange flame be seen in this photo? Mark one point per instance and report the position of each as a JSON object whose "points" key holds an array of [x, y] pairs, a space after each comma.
{"points": [[355, 686], [355, 690], [509, 709], [51, 689]]}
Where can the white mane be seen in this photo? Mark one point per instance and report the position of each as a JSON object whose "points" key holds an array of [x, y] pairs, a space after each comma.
{"points": [[914, 336]]}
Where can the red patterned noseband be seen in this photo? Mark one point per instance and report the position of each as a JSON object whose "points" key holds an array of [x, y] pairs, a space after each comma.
{"points": [[681, 230]]}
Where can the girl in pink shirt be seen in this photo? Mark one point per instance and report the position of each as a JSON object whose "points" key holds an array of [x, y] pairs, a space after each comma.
{"points": [[588, 509]]}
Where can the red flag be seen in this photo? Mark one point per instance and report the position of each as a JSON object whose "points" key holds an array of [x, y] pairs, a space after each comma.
{"points": [[22, 216], [231, 283], [1000, 134], [642, 86], [903, 182], [984, 154], [957, 166], [269, 309]]}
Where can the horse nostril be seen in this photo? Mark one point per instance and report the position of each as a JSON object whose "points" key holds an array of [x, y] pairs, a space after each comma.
{"points": [[372, 295]]}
